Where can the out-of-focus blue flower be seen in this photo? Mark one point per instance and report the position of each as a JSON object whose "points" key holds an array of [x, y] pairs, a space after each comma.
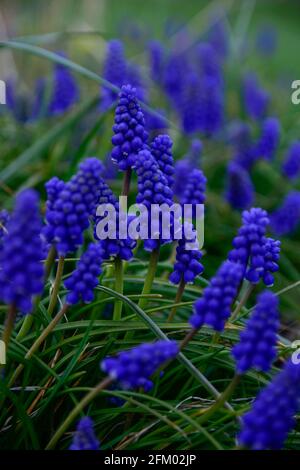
{"points": [[114, 71], [64, 92], [291, 165], [130, 135], [134, 368], [25, 108], [214, 307], [218, 36], [269, 139], [256, 99], [184, 167], [152, 189], [286, 218], [194, 191], [272, 416], [195, 152], [190, 105], [84, 278], [257, 345], [70, 205], [135, 78], [239, 136], [84, 437], [156, 121], [156, 60], [266, 40], [21, 254], [239, 187], [174, 79], [161, 149]]}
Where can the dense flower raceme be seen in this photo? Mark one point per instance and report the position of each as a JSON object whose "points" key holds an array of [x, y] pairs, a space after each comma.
{"points": [[152, 189], [114, 71], [257, 345], [194, 191], [174, 80], [253, 250], [214, 307], [195, 152], [70, 205], [239, 136], [291, 165], [255, 97], [187, 265], [64, 93], [21, 275], [239, 187], [156, 60], [185, 165], [84, 437], [130, 135], [4, 218], [269, 139], [161, 149], [84, 278], [218, 36], [272, 416], [112, 246], [134, 368], [286, 218], [190, 105]]}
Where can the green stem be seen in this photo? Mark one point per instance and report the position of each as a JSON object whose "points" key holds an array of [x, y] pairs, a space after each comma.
{"points": [[178, 298], [149, 277], [78, 408], [56, 286], [119, 288], [28, 320], [224, 397], [9, 324], [35, 346], [126, 182], [189, 336], [248, 291]]}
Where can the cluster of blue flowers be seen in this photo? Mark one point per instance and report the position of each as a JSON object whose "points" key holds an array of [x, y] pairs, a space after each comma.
{"points": [[286, 218], [161, 149], [239, 187], [256, 98], [84, 437], [21, 254], [257, 345], [133, 369], [291, 165]]}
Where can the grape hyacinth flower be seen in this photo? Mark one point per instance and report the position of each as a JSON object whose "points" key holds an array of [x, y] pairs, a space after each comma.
{"points": [[161, 149], [286, 218], [255, 97], [214, 307], [156, 60], [291, 165], [190, 104], [152, 189], [184, 167], [173, 78], [257, 345], [156, 121], [218, 36], [272, 415], [195, 152], [84, 278], [134, 368], [194, 192], [21, 255], [65, 92], [68, 215], [271, 258], [250, 244], [241, 140], [114, 71], [266, 40], [269, 139], [25, 109], [239, 187], [130, 135], [4, 218], [84, 437], [187, 265]]}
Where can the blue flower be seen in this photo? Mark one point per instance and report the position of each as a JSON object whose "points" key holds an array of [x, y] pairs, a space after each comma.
{"points": [[256, 98], [70, 205], [25, 108], [286, 218], [239, 187], [272, 416], [129, 129], [291, 165], [65, 91], [214, 307], [161, 149], [190, 105], [266, 40], [269, 139], [156, 60], [134, 368], [257, 345], [84, 278], [194, 191], [84, 437], [114, 71], [21, 276]]}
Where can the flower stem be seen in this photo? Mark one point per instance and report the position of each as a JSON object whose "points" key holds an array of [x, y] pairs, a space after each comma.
{"points": [[189, 336], [248, 291], [9, 324], [119, 288], [149, 277], [126, 182], [56, 286], [78, 408], [35, 346], [178, 298]]}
